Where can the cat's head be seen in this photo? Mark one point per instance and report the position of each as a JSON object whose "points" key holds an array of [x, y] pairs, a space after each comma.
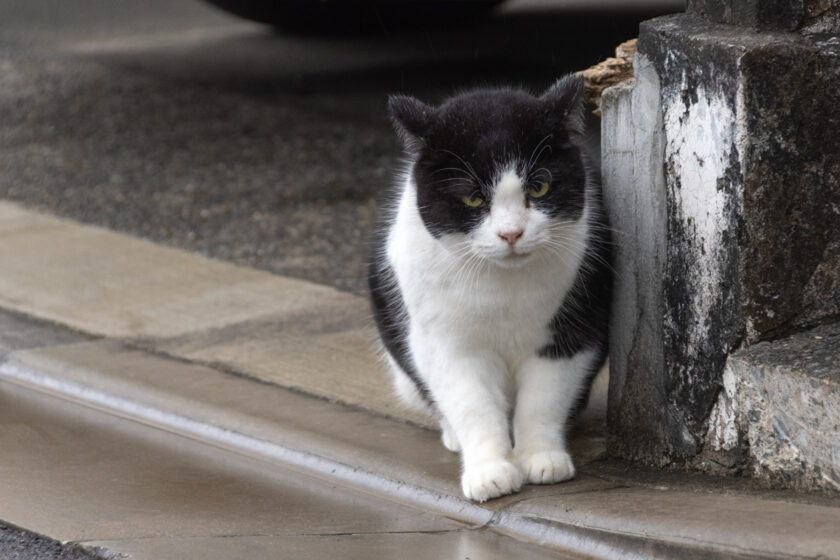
{"points": [[497, 171]]}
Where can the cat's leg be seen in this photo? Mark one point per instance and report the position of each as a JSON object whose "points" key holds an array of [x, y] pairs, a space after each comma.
{"points": [[547, 389], [409, 394], [407, 389], [469, 392], [448, 437]]}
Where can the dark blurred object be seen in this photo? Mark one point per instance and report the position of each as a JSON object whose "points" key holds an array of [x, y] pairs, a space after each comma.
{"points": [[307, 16]]}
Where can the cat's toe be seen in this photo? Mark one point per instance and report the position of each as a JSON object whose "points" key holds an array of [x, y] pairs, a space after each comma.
{"points": [[490, 479], [547, 467]]}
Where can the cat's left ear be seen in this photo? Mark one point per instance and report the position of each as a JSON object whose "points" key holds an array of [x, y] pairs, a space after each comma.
{"points": [[564, 100], [412, 119]]}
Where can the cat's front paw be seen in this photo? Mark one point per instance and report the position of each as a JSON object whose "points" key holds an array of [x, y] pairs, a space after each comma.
{"points": [[546, 467], [490, 479]]}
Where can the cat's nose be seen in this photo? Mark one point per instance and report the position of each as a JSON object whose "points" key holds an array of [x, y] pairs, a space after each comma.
{"points": [[511, 237]]}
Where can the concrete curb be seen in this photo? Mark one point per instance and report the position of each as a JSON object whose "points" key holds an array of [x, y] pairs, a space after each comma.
{"points": [[352, 447]]}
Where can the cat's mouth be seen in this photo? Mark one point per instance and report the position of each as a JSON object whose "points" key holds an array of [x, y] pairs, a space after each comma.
{"points": [[514, 258]]}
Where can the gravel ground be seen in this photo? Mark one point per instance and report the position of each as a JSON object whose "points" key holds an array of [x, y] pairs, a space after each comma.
{"points": [[18, 544]]}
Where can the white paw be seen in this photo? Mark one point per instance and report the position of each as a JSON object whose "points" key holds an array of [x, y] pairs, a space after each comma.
{"points": [[449, 440], [490, 479], [547, 467]]}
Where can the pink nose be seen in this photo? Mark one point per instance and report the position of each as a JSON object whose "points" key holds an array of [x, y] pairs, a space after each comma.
{"points": [[510, 237]]}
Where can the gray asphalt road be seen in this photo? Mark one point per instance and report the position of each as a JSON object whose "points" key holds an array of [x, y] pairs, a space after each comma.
{"points": [[172, 121]]}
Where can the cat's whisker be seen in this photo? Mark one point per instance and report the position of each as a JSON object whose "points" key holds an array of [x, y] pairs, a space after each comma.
{"points": [[468, 168], [568, 244], [535, 156], [576, 244], [544, 174], [454, 180]]}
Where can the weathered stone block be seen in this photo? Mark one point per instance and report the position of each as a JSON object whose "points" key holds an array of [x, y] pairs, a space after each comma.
{"points": [[778, 415], [734, 142], [815, 16], [764, 14], [634, 193]]}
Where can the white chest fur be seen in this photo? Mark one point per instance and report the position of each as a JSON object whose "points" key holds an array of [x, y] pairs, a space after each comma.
{"points": [[473, 303]]}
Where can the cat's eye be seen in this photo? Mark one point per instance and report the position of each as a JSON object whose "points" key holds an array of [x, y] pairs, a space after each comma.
{"points": [[473, 200], [538, 191]]}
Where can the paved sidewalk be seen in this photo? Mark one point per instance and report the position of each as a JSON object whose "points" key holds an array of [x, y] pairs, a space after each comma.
{"points": [[284, 372]]}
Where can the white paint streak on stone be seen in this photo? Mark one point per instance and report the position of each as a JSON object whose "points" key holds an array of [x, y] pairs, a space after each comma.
{"points": [[699, 141]]}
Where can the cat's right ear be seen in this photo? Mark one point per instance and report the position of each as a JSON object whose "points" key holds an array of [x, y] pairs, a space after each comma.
{"points": [[412, 119]]}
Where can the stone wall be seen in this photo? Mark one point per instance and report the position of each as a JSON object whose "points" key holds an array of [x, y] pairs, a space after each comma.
{"points": [[721, 170], [814, 16]]}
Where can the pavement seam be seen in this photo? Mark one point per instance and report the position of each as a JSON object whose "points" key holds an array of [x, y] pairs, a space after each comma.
{"points": [[144, 346]]}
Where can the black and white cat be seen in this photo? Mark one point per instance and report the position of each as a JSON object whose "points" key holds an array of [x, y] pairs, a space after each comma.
{"points": [[490, 282]]}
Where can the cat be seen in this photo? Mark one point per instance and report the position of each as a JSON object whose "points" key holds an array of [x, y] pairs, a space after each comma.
{"points": [[490, 279]]}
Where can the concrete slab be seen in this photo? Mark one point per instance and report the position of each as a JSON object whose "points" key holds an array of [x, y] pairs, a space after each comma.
{"points": [[293, 333], [778, 415], [330, 353], [114, 285], [731, 526]]}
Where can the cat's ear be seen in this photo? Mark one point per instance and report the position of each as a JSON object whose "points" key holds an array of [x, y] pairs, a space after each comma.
{"points": [[412, 119], [564, 100]]}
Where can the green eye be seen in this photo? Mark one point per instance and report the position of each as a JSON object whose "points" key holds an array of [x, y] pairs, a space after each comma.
{"points": [[473, 201], [538, 191]]}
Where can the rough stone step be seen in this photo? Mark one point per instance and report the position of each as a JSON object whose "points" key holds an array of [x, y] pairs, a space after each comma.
{"points": [[779, 412]]}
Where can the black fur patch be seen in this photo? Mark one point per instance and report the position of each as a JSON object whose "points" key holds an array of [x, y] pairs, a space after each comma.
{"points": [[390, 314], [582, 322]]}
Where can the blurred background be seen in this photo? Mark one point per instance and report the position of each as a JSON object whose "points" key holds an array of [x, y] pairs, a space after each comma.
{"points": [[266, 145]]}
